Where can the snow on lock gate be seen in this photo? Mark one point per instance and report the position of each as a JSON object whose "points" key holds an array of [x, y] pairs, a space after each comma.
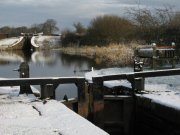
{"points": [[116, 114], [156, 53]]}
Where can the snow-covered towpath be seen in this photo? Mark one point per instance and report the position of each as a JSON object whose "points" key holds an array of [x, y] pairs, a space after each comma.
{"points": [[25, 115]]}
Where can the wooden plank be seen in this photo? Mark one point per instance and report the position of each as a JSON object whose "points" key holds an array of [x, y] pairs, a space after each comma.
{"points": [[114, 97], [25, 81], [114, 77], [65, 80], [38, 81], [165, 47], [157, 73]]}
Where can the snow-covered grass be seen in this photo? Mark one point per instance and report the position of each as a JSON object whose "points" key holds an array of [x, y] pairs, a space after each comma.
{"points": [[163, 90], [4, 43], [26, 115]]}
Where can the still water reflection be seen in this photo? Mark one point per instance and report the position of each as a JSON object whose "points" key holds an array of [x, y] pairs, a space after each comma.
{"points": [[51, 63]]}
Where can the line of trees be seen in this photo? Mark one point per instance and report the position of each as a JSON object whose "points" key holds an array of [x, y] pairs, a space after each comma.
{"points": [[143, 25], [48, 27], [160, 26]]}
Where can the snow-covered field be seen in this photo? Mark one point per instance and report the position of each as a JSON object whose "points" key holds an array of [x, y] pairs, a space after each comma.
{"points": [[163, 90], [25, 115], [4, 43]]}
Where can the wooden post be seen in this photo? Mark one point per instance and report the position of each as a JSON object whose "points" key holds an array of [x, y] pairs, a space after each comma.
{"points": [[82, 107], [90, 112], [131, 79], [174, 62], [135, 51], [139, 82], [154, 57], [98, 102], [128, 117], [24, 73], [174, 57], [47, 91]]}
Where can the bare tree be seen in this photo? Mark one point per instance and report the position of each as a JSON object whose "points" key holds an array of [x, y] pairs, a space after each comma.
{"points": [[151, 24], [5, 29], [36, 28], [50, 26], [79, 28], [65, 31]]}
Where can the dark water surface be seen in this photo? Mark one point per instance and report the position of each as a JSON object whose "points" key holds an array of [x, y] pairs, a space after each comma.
{"points": [[51, 63]]}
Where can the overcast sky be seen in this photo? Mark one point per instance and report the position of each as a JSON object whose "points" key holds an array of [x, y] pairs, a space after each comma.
{"points": [[16, 13]]}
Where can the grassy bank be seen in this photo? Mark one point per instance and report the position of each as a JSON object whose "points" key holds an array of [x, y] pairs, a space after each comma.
{"points": [[113, 55]]}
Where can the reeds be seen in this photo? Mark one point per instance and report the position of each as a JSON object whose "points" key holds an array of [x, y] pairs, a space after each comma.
{"points": [[119, 55]]}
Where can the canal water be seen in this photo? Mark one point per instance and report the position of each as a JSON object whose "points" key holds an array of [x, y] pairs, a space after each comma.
{"points": [[54, 63], [49, 63]]}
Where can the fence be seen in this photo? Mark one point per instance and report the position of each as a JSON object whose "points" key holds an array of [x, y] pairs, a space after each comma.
{"points": [[156, 53]]}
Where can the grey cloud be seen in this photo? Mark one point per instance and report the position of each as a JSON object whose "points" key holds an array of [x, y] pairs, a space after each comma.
{"points": [[65, 12]]}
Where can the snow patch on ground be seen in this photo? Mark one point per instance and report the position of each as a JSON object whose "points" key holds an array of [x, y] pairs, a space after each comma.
{"points": [[163, 94], [5, 43], [163, 90], [39, 41], [32, 42], [145, 50], [25, 114]]}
